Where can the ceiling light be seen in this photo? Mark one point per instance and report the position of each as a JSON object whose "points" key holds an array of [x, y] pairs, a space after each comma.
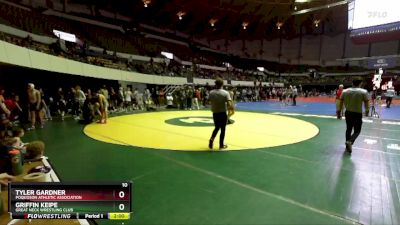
{"points": [[244, 25], [146, 3], [279, 25], [316, 22], [302, 1], [180, 14], [212, 22], [168, 55]]}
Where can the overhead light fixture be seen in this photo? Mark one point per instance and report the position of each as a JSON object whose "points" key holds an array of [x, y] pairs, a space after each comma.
{"points": [[244, 25], [212, 22], [279, 25], [302, 1], [304, 11], [180, 14], [260, 68], [168, 55], [146, 3], [316, 22], [65, 36]]}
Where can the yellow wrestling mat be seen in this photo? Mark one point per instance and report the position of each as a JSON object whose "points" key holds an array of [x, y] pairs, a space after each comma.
{"points": [[191, 130]]}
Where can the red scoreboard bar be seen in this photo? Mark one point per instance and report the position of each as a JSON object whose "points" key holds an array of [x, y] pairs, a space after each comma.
{"points": [[70, 200]]}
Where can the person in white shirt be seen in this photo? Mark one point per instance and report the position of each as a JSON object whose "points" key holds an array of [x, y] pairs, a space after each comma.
{"points": [[80, 98], [128, 99], [170, 101], [139, 100], [353, 99], [147, 94]]}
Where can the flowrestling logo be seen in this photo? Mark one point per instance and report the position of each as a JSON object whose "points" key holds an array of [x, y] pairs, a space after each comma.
{"points": [[377, 14]]}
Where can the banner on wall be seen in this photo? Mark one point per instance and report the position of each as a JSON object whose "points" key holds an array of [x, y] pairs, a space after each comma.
{"points": [[382, 63]]}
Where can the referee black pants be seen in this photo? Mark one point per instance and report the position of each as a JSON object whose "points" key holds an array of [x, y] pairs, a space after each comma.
{"points": [[220, 120], [353, 122], [388, 101]]}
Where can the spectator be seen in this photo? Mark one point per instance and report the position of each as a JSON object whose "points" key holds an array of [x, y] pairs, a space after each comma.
{"points": [[128, 99], [338, 95], [390, 93], [35, 106], [80, 98], [5, 179], [15, 109]]}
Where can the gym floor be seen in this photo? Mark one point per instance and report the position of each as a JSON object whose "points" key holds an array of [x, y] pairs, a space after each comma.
{"points": [[303, 177]]}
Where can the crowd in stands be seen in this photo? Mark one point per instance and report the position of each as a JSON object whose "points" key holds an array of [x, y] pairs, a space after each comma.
{"points": [[116, 41], [13, 150], [166, 68]]}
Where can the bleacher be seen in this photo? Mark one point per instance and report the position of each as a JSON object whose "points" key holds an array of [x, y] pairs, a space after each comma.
{"points": [[119, 43]]}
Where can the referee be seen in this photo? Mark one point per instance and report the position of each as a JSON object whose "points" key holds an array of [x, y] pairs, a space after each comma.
{"points": [[220, 100], [353, 99]]}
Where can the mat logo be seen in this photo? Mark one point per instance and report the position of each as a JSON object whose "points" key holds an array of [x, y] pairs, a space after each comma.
{"points": [[393, 146], [197, 120], [191, 121], [370, 141]]}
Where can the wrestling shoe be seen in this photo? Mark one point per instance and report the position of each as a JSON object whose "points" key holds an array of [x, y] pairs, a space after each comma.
{"points": [[349, 147], [224, 147]]}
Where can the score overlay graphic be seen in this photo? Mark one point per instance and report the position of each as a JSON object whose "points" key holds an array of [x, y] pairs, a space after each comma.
{"points": [[70, 200]]}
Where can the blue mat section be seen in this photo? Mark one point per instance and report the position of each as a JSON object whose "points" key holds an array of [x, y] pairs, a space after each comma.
{"points": [[316, 108]]}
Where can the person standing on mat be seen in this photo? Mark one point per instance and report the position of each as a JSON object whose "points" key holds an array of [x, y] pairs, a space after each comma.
{"points": [[338, 95], [353, 98], [102, 105], [35, 105], [294, 95], [220, 100], [390, 93]]}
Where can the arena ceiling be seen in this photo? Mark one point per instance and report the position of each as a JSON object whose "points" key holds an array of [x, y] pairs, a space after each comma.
{"points": [[235, 18]]}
